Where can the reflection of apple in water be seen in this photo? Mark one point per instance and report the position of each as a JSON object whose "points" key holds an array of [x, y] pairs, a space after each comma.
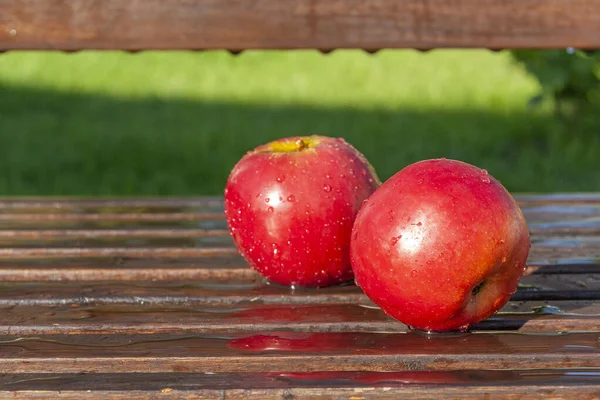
{"points": [[290, 205], [440, 246]]}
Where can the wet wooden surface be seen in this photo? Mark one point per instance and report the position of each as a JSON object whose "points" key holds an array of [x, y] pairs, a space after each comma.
{"points": [[147, 298], [293, 24]]}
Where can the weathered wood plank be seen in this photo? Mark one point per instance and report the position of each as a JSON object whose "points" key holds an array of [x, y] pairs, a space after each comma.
{"points": [[223, 292], [221, 268], [507, 392], [143, 269], [297, 352], [430, 384], [291, 24], [213, 319], [548, 250], [50, 204]]}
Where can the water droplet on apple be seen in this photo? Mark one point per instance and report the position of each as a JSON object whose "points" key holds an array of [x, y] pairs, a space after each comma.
{"points": [[342, 176], [484, 176], [280, 179], [258, 195], [420, 181], [267, 200], [328, 176], [291, 198], [413, 273], [503, 260], [327, 188], [395, 239], [270, 209], [419, 223], [363, 172], [280, 198], [276, 252], [239, 212], [248, 205]]}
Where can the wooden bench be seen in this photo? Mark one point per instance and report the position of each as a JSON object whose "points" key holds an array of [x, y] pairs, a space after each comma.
{"points": [[147, 298]]}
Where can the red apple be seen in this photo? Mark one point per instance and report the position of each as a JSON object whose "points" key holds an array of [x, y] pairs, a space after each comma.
{"points": [[440, 246], [290, 205]]}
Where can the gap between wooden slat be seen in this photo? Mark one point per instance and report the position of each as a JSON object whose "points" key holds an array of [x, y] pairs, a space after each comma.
{"points": [[55, 234], [537, 253], [113, 217]]}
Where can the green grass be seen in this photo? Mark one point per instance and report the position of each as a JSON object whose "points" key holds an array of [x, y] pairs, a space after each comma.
{"points": [[175, 123]]}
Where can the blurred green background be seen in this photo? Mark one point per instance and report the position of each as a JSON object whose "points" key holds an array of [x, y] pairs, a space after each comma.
{"points": [[160, 123]]}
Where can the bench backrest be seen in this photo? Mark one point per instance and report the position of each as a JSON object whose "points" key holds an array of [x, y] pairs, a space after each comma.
{"points": [[293, 24]]}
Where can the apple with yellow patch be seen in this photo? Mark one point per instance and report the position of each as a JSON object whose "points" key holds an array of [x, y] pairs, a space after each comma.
{"points": [[290, 205]]}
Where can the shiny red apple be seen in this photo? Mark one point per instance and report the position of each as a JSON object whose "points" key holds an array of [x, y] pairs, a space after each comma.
{"points": [[290, 205], [440, 246]]}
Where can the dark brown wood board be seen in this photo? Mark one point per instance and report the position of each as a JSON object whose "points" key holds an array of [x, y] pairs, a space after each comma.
{"points": [[148, 298], [297, 24]]}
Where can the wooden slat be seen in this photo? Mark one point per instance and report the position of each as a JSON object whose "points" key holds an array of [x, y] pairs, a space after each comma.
{"points": [[179, 204], [506, 392], [196, 269], [549, 250], [520, 384], [296, 352], [136, 269], [291, 24], [227, 292], [212, 319]]}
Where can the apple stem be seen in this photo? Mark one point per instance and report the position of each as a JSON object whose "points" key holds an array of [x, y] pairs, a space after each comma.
{"points": [[301, 145]]}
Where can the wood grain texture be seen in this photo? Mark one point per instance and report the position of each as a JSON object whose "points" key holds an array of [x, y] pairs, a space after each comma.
{"points": [[213, 319], [148, 298], [505, 392], [232, 293], [296, 352], [323, 385], [293, 24]]}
